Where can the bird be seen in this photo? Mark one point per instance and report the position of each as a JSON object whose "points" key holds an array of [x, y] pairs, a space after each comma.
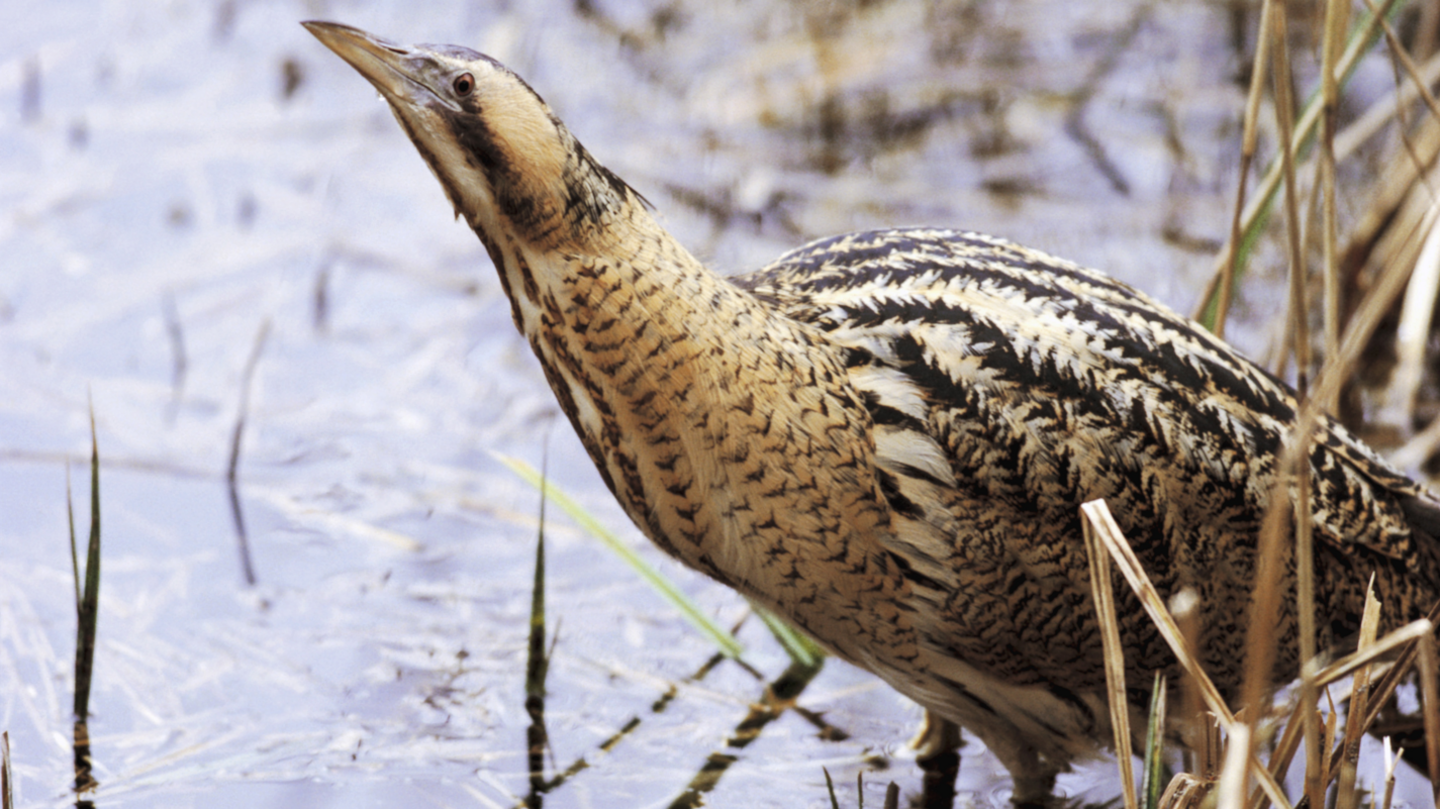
{"points": [[885, 436]]}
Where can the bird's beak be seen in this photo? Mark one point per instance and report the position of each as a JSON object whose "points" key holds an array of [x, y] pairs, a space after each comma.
{"points": [[384, 64]]}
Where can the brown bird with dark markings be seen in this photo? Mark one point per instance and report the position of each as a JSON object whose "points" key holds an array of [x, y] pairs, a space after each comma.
{"points": [[885, 437]]}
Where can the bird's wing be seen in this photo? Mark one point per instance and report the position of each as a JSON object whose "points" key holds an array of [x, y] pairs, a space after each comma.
{"points": [[1044, 379]]}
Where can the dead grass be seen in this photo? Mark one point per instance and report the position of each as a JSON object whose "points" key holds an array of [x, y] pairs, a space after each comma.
{"points": [[1392, 240]]}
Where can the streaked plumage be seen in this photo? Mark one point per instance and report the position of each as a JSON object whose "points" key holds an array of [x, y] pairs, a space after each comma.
{"points": [[886, 436]]}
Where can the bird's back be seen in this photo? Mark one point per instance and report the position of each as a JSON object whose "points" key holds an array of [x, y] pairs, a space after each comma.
{"points": [[1007, 387]]}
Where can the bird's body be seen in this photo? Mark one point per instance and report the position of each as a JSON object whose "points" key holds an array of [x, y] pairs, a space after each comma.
{"points": [[885, 437]]}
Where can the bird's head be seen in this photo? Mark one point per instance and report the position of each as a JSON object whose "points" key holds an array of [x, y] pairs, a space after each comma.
{"points": [[508, 165]]}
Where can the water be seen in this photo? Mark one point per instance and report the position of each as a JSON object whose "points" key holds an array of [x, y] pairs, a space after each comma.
{"points": [[165, 196]]}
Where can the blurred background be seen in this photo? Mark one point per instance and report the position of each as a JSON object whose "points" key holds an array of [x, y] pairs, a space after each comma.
{"points": [[204, 213]]}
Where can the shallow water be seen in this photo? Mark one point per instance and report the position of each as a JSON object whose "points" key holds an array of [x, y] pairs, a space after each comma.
{"points": [[166, 197]]}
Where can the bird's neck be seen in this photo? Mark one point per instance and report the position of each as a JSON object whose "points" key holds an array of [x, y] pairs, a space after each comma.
{"points": [[627, 325], [725, 430]]}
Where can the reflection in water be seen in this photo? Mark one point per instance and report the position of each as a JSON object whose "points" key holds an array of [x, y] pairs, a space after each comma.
{"points": [[536, 665], [84, 781], [778, 696]]}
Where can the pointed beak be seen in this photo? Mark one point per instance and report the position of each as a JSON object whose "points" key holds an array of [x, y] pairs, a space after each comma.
{"points": [[384, 64]]}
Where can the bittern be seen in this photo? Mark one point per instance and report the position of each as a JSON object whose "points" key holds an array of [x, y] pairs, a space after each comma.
{"points": [[885, 437]]}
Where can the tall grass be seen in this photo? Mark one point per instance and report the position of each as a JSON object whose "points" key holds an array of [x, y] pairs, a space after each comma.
{"points": [[87, 608]]}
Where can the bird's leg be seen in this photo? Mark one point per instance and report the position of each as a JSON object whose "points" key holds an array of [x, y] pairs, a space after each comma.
{"points": [[939, 741], [937, 736], [937, 751]]}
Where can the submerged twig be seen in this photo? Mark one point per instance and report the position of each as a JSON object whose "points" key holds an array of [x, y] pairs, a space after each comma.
{"points": [[778, 696], [179, 363], [7, 793], [233, 466], [659, 706], [1075, 124]]}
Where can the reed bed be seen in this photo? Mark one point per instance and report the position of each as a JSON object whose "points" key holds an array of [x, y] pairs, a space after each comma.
{"points": [[1392, 252]]}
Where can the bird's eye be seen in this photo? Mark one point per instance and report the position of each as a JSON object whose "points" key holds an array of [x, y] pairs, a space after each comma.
{"points": [[464, 84]]}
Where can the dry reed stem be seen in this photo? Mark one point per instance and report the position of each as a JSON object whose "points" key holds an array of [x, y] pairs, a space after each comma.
{"points": [[1299, 315], [1332, 719], [1315, 778], [1425, 29], [1248, 141], [1394, 276], [1349, 663], [1382, 691], [1430, 710], [1103, 592], [1413, 331], [1266, 592], [1306, 125], [1230, 790], [1408, 64], [1419, 307], [1283, 753], [1214, 744], [1346, 796], [1337, 16], [1154, 751], [1332, 374], [1414, 452], [1185, 606], [1184, 791], [1113, 540], [1402, 638], [1385, 109], [1421, 87], [1391, 760], [1389, 224]]}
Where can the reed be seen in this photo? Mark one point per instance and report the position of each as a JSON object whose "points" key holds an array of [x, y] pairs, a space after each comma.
{"points": [[87, 609]]}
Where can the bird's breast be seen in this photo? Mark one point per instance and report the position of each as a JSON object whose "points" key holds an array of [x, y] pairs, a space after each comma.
{"points": [[729, 434]]}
